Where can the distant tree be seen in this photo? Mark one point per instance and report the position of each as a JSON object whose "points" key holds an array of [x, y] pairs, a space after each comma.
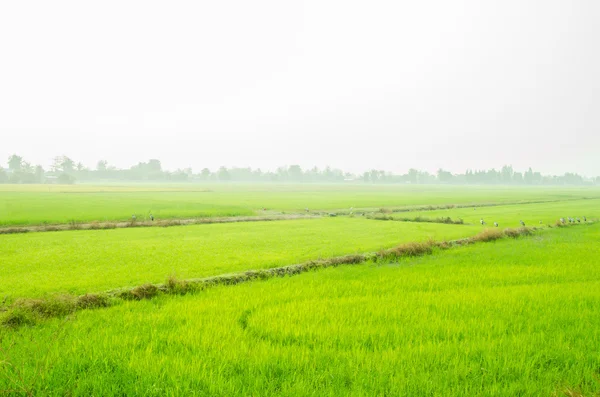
{"points": [[257, 174], [102, 165], [413, 175], [67, 165], [572, 179], [507, 174], [178, 175], [366, 177], [469, 176], [56, 167], [39, 174], [223, 174], [374, 176], [295, 173], [3, 176], [27, 168], [154, 165], [15, 162], [282, 173], [518, 178], [528, 177], [493, 176], [382, 176], [444, 176], [425, 177], [205, 173]]}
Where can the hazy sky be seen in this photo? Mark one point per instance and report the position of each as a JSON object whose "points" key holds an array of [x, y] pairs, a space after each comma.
{"points": [[355, 85]]}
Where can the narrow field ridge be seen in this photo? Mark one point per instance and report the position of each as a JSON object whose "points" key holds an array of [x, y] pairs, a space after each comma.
{"points": [[480, 205], [157, 223], [27, 311], [444, 220]]}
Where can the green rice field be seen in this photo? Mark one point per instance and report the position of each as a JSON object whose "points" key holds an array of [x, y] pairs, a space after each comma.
{"points": [[511, 215], [501, 316], [96, 260], [42, 204]]}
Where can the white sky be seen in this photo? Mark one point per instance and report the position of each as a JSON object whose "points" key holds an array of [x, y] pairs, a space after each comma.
{"points": [[356, 85]]}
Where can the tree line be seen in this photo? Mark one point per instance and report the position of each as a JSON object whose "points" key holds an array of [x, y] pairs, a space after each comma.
{"points": [[65, 170]]}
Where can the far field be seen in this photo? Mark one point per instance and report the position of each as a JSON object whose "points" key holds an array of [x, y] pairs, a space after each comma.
{"points": [[39, 204], [511, 215]]}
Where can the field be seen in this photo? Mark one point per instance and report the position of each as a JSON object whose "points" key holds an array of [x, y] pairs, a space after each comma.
{"points": [[34, 205], [511, 215], [498, 316], [96, 260]]}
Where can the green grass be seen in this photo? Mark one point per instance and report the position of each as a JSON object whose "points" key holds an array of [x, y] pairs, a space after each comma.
{"points": [[37, 204], [92, 261], [512, 317], [510, 215]]}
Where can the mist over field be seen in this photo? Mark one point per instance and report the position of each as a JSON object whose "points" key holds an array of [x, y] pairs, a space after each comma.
{"points": [[386, 85]]}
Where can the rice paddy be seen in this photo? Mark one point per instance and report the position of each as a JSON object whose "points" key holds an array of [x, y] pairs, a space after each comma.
{"points": [[514, 316], [510, 215], [51, 204], [96, 260]]}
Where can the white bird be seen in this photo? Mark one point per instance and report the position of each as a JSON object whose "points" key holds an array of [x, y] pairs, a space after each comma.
{"points": [[482, 221], [133, 217], [496, 224], [522, 223], [562, 220], [152, 217]]}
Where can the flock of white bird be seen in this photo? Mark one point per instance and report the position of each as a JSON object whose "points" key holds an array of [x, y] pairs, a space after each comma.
{"points": [[562, 220]]}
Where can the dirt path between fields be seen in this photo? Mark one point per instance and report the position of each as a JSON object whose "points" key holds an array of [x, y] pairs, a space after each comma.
{"points": [[156, 223]]}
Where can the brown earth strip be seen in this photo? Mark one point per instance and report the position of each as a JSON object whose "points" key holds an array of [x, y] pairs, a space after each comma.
{"points": [[157, 223]]}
